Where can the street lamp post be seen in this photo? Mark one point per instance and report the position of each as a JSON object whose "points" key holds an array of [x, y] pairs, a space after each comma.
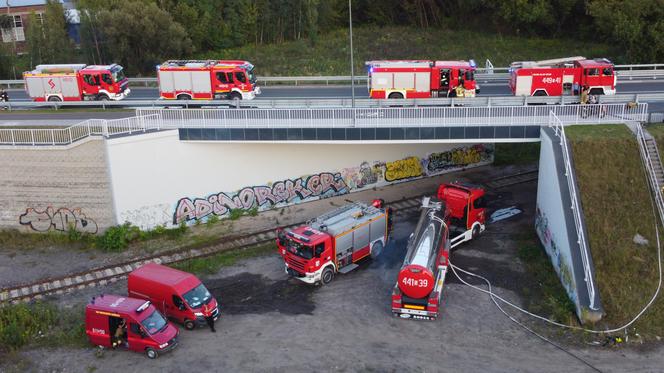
{"points": [[352, 68]]}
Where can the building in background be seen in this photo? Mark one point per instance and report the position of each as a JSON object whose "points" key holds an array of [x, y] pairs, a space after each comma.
{"points": [[14, 15]]}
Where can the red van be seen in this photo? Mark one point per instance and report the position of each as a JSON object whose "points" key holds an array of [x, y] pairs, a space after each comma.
{"points": [[178, 295], [142, 327]]}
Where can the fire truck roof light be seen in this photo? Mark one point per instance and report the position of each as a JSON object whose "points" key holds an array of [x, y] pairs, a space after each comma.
{"points": [[472, 63], [143, 306]]}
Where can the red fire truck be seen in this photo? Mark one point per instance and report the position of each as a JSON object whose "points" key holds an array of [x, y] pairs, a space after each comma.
{"points": [[556, 77], [418, 291], [76, 82], [207, 80], [334, 242], [421, 79]]}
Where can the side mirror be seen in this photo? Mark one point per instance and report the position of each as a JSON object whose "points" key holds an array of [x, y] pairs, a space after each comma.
{"points": [[142, 333], [181, 307]]}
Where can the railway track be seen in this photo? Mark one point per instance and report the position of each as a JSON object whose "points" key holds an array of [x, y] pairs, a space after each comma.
{"points": [[104, 275], [518, 178]]}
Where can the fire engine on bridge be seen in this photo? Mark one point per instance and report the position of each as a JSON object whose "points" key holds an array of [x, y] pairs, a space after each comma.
{"points": [[556, 77], [76, 82], [335, 242], [421, 79], [207, 80], [418, 291]]}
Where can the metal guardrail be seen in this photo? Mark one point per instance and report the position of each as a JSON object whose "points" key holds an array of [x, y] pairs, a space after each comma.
{"points": [[650, 168], [397, 117], [559, 129], [486, 74], [157, 119], [87, 128], [342, 103]]}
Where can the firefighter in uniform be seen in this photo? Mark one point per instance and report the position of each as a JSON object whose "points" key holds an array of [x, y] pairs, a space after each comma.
{"points": [[460, 91], [4, 97], [207, 313]]}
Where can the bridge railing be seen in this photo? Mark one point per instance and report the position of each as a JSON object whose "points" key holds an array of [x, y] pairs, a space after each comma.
{"points": [[559, 129], [156, 119], [397, 117]]}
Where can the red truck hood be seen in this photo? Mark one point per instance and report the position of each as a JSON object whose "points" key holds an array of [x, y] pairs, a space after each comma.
{"points": [[166, 335]]}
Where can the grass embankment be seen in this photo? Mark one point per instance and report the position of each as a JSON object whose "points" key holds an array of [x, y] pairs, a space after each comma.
{"points": [[330, 54], [616, 202], [543, 294]]}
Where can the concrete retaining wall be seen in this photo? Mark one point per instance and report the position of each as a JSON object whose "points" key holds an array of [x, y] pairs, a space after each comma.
{"points": [[555, 227], [43, 189]]}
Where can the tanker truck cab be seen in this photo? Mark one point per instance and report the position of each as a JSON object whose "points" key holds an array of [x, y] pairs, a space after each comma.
{"points": [[179, 295], [465, 210], [334, 242], [142, 327]]}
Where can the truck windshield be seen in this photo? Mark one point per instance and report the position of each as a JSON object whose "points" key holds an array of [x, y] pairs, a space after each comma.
{"points": [[118, 75], [154, 323], [299, 249], [197, 296], [252, 76]]}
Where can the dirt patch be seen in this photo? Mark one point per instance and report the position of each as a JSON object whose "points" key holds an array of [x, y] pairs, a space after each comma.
{"points": [[248, 293]]}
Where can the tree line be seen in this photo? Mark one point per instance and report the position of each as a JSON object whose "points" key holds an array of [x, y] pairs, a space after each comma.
{"points": [[141, 33]]}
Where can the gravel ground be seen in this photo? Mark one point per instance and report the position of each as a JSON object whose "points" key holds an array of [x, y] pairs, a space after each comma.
{"points": [[272, 323]]}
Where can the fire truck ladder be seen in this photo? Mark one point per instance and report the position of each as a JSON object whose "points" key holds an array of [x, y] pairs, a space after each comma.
{"points": [[199, 63], [559, 61]]}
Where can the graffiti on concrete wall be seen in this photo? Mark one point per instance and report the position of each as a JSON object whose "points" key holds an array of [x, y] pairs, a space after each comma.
{"points": [[559, 260], [403, 169], [327, 184], [59, 220], [147, 217], [457, 158], [367, 174], [262, 197]]}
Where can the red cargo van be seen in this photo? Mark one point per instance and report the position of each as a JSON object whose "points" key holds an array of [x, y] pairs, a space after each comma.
{"points": [[144, 328], [178, 295]]}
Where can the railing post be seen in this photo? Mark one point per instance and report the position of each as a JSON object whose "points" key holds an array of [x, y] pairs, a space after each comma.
{"points": [[52, 137], [13, 139]]}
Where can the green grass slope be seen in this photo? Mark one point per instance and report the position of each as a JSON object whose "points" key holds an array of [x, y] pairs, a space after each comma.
{"points": [[616, 202], [330, 55]]}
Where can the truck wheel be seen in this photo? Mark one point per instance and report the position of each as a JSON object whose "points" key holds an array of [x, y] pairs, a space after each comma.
{"points": [[189, 325], [376, 249], [235, 97], [102, 98], [476, 231], [54, 99], [183, 97], [327, 276], [395, 95], [151, 353]]}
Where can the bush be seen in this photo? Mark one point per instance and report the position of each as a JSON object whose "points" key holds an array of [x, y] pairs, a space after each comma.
{"points": [[235, 214], [20, 323], [115, 238], [211, 220], [253, 211]]}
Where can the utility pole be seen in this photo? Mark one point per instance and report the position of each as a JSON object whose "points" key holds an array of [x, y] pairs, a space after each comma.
{"points": [[352, 68]]}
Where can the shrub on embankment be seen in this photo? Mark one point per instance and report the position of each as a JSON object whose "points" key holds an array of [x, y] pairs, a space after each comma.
{"points": [[39, 324], [616, 203]]}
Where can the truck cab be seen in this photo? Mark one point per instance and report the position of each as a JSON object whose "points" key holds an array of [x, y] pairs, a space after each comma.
{"points": [[113, 321], [451, 74], [599, 76], [179, 295], [104, 82], [465, 210]]}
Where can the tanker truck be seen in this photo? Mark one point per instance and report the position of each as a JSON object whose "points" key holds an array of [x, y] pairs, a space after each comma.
{"points": [[420, 282], [458, 210]]}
